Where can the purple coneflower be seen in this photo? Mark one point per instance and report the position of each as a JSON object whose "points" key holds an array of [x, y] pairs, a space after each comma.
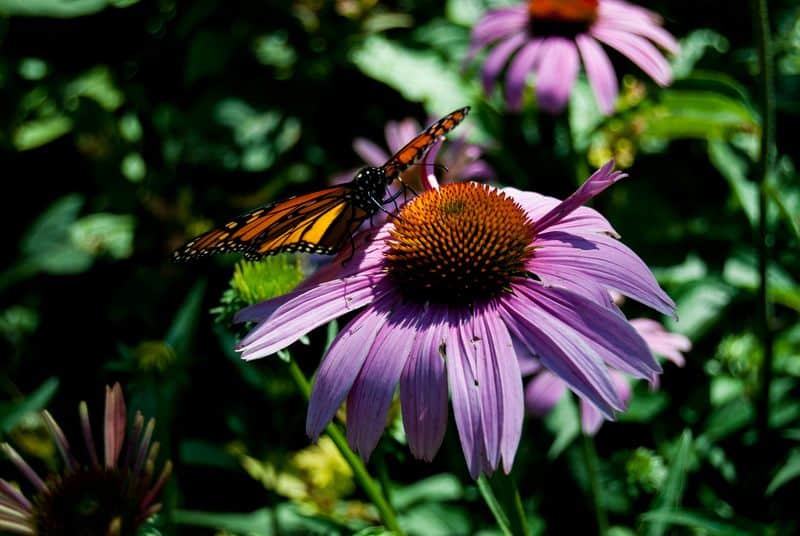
{"points": [[465, 272], [112, 495], [545, 390], [551, 37]]}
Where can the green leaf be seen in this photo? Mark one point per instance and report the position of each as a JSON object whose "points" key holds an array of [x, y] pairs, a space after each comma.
{"points": [[258, 523], [672, 492], [96, 84], [789, 471], [790, 215], [693, 47], [494, 506], [10, 414], [727, 419], [38, 132], [420, 76], [435, 519], [700, 306], [52, 8], [438, 488], [564, 422], [692, 269], [741, 270], [698, 114], [181, 331], [734, 169], [702, 523], [104, 233], [47, 243]]}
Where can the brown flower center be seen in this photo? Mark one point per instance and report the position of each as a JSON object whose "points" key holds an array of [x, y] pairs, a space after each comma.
{"points": [[567, 18], [459, 244]]}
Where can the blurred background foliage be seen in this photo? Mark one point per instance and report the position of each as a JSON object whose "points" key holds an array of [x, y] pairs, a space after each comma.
{"points": [[129, 126]]}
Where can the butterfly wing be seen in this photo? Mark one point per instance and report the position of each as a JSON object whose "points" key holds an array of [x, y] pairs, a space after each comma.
{"points": [[413, 150], [317, 222]]}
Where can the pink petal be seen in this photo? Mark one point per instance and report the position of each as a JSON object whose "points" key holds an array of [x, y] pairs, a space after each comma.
{"points": [[610, 335], [600, 73], [305, 312], [466, 402], [369, 399], [557, 72], [497, 59], [639, 50], [423, 390], [517, 73], [605, 260], [562, 351], [340, 366], [543, 393], [599, 181]]}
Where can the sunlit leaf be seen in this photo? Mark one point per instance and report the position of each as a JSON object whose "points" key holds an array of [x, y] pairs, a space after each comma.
{"points": [[436, 488], [11, 413], [420, 76], [701, 522], [788, 472], [260, 522]]}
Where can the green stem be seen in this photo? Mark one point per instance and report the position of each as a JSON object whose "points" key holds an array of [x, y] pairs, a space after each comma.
{"points": [[760, 16], [502, 497], [370, 487], [590, 458]]}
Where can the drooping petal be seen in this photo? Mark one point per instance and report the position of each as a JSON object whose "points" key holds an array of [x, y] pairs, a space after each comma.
{"points": [[490, 390], [497, 59], [307, 311], [662, 342], [556, 74], [371, 395], [465, 399], [639, 50], [543, 392], [563, 351], [611, 336], [600, 72], [599, 181], [591, 419], [510, 376], [114, 424], [602, 259], [517, 74], [340, 366], [423, 390]]}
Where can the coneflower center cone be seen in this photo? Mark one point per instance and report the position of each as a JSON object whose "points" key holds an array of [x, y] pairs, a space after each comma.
{"points": [[87, 501], [567, 18], [458, 245]]}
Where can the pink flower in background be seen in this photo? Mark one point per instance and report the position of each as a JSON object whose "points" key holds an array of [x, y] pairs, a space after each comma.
{"points": [[462, 159], [552, 37], [545, 390], [464, 275]]}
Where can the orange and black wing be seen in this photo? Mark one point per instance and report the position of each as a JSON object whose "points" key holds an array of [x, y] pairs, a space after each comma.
{"points": [[415, 149], [317, 222]]}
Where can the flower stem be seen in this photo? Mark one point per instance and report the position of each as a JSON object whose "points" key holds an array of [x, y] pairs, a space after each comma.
{"points": [[760, 16], [590, 458], [502, 497], [368, 485]]}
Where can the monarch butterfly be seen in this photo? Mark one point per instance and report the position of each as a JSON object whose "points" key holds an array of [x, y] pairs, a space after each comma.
{"points": [[317, 222]]}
